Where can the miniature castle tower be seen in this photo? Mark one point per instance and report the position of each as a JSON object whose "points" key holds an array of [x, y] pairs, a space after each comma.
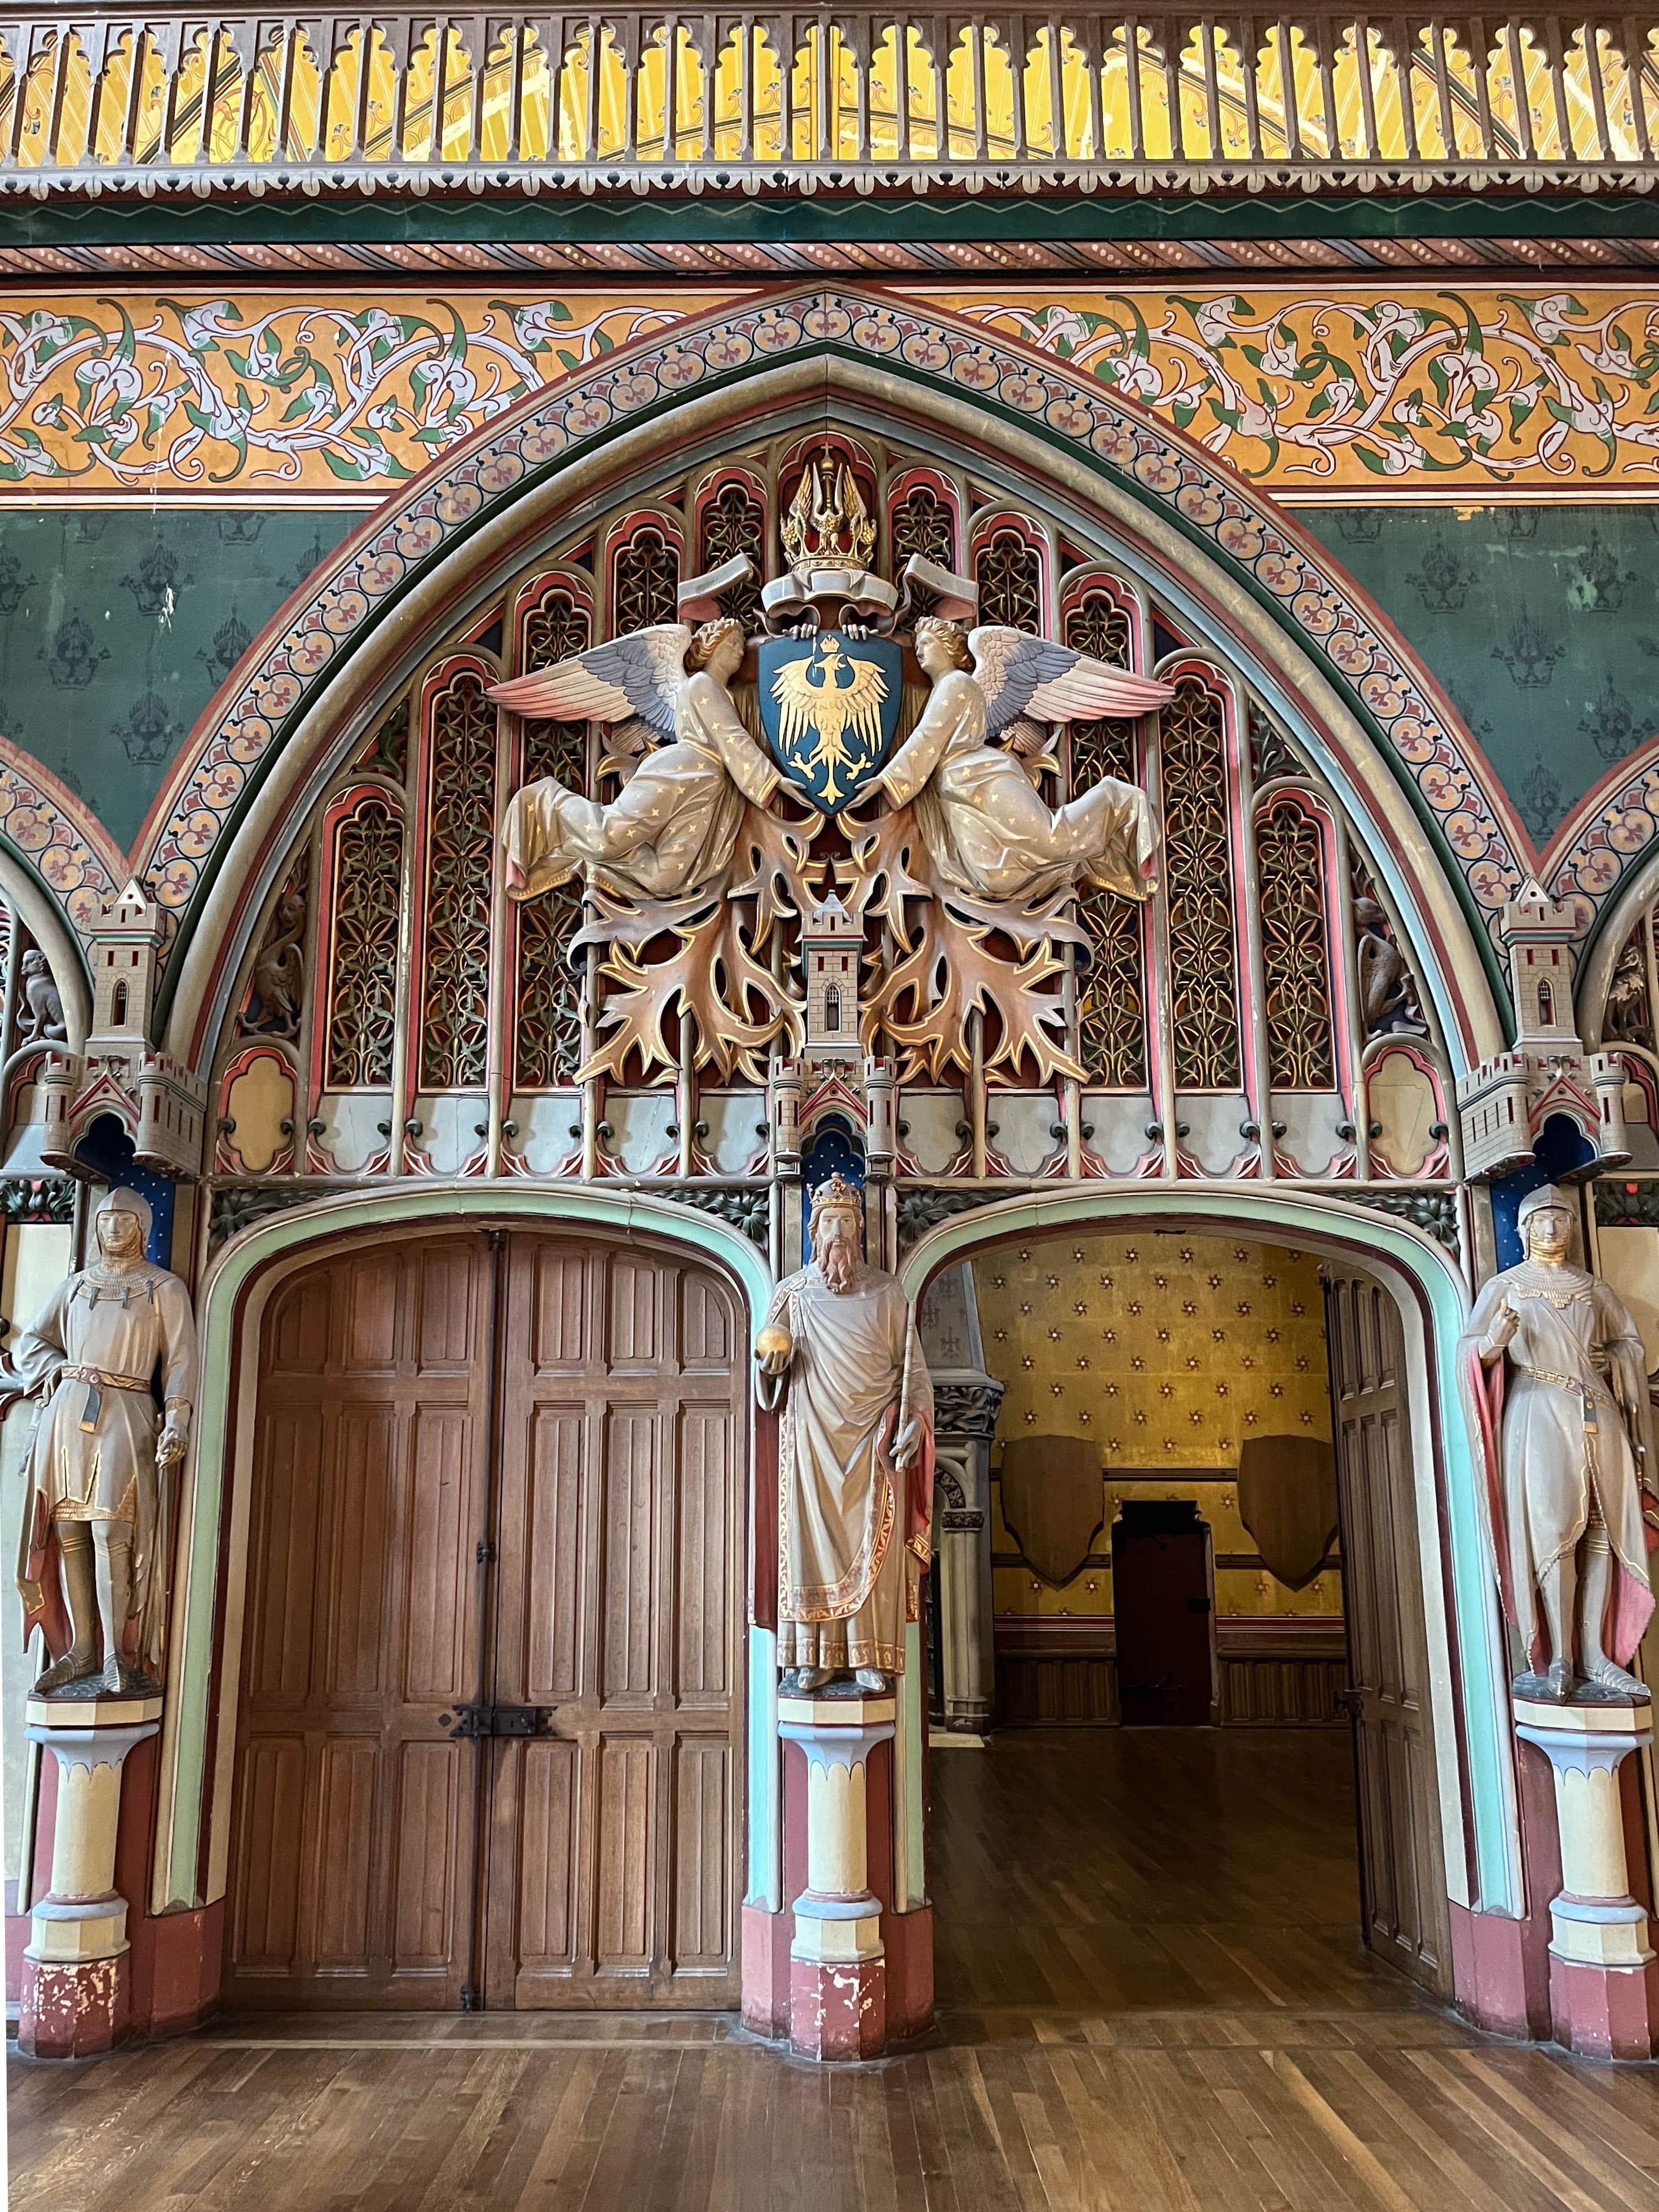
{"points": [[161, 1103], [126, 950], [1506, 1100], [832, 953]]}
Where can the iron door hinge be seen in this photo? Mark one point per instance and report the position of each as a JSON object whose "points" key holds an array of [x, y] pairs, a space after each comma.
{"points": [[1353, 1703], [496, 1720]]}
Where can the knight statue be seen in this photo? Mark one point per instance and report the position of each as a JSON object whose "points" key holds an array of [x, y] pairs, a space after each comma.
{"points": [[92, 1571], [1556, 1388]]}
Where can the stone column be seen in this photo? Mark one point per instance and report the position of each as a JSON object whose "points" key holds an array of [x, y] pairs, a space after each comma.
{"points": [[1603, 1975], [965, 1416], [837, 1962], [74, 1994]]}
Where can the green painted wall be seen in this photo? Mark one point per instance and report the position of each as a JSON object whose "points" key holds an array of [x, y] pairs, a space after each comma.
{"points": [[117, 625], [1542, 622]]}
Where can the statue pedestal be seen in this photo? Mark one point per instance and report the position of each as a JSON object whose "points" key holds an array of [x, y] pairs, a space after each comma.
{"points": [[1604, 1977], [75, 1991], [837, 1962]]}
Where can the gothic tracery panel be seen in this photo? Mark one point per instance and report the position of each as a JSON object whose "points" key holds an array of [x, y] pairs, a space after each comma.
{"points": [[366, 876], [1295, 948], [645, 580], [461, 817], [1008, 570], [732, 521], [1199, 872]]}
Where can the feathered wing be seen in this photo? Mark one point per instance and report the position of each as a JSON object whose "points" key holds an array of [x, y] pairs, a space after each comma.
{"points": [[1046, 682], [641, 674]]}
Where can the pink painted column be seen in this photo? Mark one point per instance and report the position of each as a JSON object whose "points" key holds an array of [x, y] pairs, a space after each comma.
{"points": [[838, 1961], [76, 1993], [1604, 1977]]}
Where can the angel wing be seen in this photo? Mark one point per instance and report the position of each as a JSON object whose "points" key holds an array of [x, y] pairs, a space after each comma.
{"points": [[641, 674], [1028, 676]]}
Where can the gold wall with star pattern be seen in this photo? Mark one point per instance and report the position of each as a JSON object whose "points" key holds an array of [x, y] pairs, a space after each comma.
{"points": [[1167, 1349]]}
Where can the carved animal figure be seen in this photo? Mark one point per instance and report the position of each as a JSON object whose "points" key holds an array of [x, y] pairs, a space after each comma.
{"points": [[279, 968], [41, 1018]]}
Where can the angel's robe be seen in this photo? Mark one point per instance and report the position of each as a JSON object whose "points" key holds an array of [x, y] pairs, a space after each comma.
{"points": [[672, 831], [984, 824], [1556, 1421], [93, 1456], [853, 1535]]}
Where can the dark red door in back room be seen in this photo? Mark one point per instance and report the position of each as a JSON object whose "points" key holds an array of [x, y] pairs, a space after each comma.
{"points": [[1161, 1598]]}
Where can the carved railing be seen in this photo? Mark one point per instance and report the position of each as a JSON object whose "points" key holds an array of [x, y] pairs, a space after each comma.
{"points": [[176, 101]]}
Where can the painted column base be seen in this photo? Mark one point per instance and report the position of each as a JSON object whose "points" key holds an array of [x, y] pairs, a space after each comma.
{"points": [[907, 1938], [838, 2011], [1606, 2012], [72, 2010]]}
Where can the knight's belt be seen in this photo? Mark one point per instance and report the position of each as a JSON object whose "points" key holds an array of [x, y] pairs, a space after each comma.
{"points": [[1591, 1395], [98, 1380]]}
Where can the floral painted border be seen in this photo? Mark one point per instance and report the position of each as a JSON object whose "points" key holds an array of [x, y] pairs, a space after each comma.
{"points": [[1333, 390], [1287, 571], [64, 845], [1318, 391]]}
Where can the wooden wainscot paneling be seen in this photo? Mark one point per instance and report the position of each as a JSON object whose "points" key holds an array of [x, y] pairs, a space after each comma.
{"points": [[1276, 1671]]}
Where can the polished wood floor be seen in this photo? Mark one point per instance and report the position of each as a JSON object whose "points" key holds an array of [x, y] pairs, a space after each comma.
{"points": [[1152, 2000]]}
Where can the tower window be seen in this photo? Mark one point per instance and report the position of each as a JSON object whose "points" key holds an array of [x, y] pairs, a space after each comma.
{"points": [[1545, 1005], [118, 1005], [832, 1008]]}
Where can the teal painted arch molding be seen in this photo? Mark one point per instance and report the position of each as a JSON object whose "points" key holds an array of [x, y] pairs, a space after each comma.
{"points": [[1277, 578], [1467, 1653], [193, 1815]]}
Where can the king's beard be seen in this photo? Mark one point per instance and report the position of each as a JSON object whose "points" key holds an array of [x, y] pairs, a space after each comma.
{"points": [[838, 1260]]}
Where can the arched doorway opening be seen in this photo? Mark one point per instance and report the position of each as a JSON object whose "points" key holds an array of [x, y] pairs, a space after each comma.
{"points": [[491, 1718], [1220, 1762]]}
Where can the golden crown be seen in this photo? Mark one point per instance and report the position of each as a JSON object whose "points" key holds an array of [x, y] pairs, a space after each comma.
{"points": [[836, 1194]]}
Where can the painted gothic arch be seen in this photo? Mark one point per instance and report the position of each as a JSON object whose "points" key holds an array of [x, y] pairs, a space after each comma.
{"points": [[315, 676]]}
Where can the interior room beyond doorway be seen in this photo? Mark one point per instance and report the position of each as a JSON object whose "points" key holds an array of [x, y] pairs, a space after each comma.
{"points": [[1211, 1781]]}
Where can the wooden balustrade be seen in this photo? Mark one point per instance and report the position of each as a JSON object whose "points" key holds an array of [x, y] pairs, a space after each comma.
{"points": [[1160, 96]]}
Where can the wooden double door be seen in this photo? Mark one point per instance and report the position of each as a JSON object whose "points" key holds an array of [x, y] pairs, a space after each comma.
{"points": [[1403, 1876], [488, 1749]]}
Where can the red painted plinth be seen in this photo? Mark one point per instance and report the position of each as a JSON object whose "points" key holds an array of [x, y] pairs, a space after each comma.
{"points": [[1606, 2012], [766, 1940], [838, 2012], [72, 2012], [907, 1938]]}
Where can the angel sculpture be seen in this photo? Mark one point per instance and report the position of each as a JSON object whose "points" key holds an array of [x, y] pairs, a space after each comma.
{"points": [[671, 836], [991, 840]]}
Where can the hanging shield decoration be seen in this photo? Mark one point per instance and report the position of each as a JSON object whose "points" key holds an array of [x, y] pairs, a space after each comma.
{"points": [[830, 707], [1287, 1501]]}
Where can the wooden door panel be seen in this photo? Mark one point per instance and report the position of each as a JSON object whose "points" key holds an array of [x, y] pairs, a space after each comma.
{"points": [[609, 1872], [361, 1629], [548, 1898], [340, 1937], [633, 1478], [264, 1921], [432, 1786], [700, 1935], [443, 1522], [622, 1854], [705, 1496], [356, 1510], [556, 1520], [1402, 1878]]}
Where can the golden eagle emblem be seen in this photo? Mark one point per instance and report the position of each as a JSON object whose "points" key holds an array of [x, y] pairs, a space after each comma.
{"points": [[830, 713]]}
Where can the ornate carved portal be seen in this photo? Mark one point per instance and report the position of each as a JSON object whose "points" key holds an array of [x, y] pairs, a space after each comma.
{"points": [[642, 1014]]}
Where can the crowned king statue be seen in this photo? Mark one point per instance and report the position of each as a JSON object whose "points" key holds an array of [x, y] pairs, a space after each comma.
{"points": [[840, 1358]]}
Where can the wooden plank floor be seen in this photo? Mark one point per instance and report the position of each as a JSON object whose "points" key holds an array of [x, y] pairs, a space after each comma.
{"points": [[1164, 2005]]}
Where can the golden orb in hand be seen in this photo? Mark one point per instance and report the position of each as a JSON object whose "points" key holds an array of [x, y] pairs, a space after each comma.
{"points": [[773, 1340]]}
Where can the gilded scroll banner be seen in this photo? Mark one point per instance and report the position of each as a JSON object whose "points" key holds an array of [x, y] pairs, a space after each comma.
{"points": [[1424, 392]]}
